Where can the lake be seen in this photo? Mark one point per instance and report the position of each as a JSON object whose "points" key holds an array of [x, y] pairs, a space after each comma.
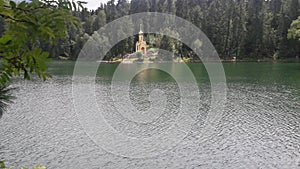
{"points": [[259, 127]]}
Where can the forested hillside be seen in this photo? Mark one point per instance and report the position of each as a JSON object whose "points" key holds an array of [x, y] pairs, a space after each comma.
{"points": [[246, 29]]}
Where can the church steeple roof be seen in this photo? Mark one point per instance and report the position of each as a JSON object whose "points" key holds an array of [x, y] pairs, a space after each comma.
{"points": [[141, 32]]}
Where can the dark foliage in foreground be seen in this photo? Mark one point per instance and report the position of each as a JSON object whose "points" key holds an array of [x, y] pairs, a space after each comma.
{"points": [[6, 98]]}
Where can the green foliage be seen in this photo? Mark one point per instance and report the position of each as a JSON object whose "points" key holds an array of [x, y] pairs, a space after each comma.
{"points": [[6, 98], [294, 31], [251, 29], [2, 166], [186, 60], [167, 44], [243, 29], [28, 23]]}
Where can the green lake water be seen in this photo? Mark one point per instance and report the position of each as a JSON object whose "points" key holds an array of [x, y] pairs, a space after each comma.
{"points": [[265, 73]]}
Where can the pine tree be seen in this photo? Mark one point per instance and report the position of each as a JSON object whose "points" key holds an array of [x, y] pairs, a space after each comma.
{"points": [[137, 6], [99, 21], [2, 26], [269, 34], [253, 39]]}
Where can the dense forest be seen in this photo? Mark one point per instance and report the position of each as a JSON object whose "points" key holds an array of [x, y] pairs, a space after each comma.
{"points": [[245, 29]]}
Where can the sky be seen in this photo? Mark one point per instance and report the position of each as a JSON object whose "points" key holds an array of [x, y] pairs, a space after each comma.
{"points": [[91, 4], [94, 4]]}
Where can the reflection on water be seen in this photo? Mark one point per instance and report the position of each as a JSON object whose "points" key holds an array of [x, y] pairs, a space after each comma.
{"points": [[259, 128]]}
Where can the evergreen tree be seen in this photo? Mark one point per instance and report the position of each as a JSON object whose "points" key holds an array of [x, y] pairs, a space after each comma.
{"points": [[253, 39], [253, 29], [269, 34], [123, 7], [2, 26], [137, 6], [110, 11], [167, 47], [99, 21]]}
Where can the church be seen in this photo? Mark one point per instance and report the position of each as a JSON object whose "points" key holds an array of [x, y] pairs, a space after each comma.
{"points": [[141, 45]]}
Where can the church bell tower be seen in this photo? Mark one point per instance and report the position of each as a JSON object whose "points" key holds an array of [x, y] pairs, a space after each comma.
{"points": [[141, 45]]}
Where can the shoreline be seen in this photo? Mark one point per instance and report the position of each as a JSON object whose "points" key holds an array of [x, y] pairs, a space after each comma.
{"points": [[195, 61], [199, 61]]}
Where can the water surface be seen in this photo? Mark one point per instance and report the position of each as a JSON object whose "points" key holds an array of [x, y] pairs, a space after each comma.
{"points": [[259, 128]]}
